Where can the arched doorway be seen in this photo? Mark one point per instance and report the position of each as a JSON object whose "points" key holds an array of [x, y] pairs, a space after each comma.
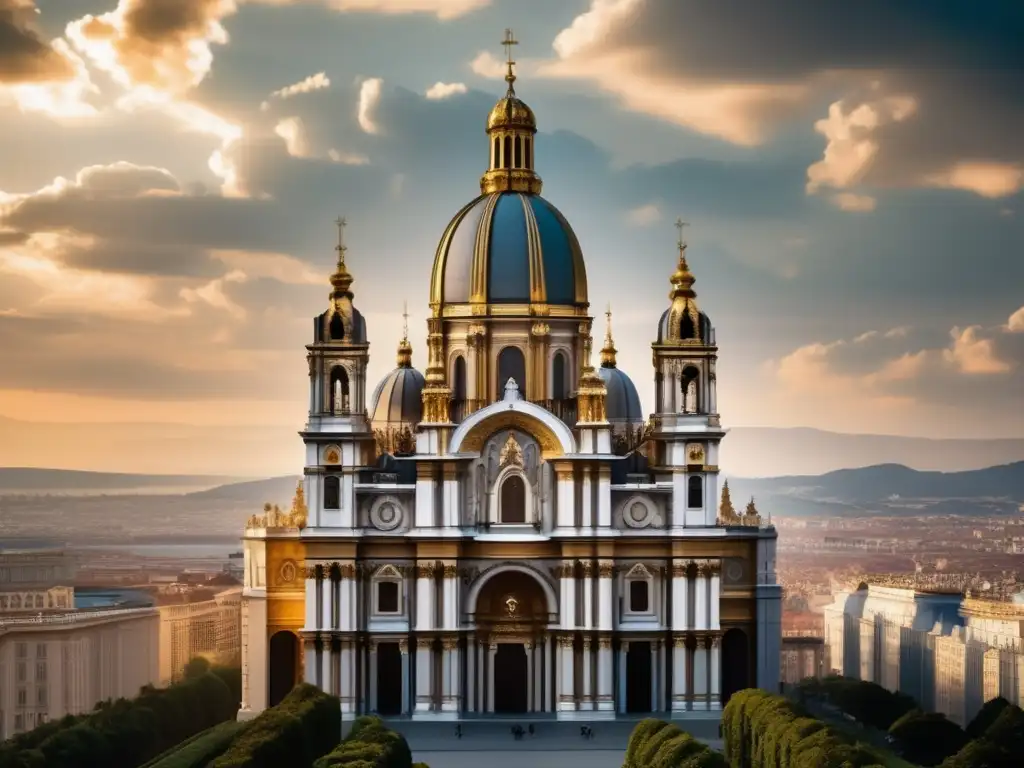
{"points": [[512, 504], [559, 390], [389, 679], [638, 677], [511, 365], [511, 609], [735, 663], [284, 655]]}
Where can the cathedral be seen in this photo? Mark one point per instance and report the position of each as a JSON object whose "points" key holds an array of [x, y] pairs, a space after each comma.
{"points": [[507, 532]]}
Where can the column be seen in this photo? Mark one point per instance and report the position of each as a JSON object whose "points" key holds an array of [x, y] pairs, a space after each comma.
{"points": [[605, 702], [701, 603], [679, 660], [588, 594], [327, 587], [492, 649], [715, 577], [424, 668], [347, 598], [680, 585], [327, 672], [549, 669], [425, 597], [347, 684], [605, 599], [566, 517], [451, 695], [471, 674], [700, 675], [566, 678], [403, 647], [373, 675], [655, 674], [452, 502], [587, 662], [537, 702], [311, 601], [567, 585], [623, 650], [309, 661], [450, 595], [424, 515], [586, 497], [528, 647], [604, 497]]}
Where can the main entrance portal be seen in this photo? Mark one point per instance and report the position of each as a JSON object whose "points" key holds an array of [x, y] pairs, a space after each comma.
{"points": [[510, 678]]}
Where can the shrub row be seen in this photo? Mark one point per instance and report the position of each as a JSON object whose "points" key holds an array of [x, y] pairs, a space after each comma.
{"points": [[198, 751], [762, 730], [657, 744], [370, 744], [125, 733], [999, 742], [304, 726], [868, 702], [927, 738]]}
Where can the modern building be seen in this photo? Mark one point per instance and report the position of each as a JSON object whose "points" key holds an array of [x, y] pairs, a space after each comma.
{"points": [[51, 666], [949, 653], [507, 532], [210, 629]]}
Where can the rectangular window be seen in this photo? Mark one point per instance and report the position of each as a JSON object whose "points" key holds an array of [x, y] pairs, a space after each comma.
{"points": [[40, 650], [41, 672], [22, 697], [22, 672], [41, 696], [639, 596], [21, 650], [19, 723], [387, 597]]}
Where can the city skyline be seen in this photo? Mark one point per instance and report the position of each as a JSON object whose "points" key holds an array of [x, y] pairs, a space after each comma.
{"points": [[167, 234]]}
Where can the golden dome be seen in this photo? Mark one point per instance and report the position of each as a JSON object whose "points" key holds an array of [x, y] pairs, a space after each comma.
{"points": [[512, 112]]}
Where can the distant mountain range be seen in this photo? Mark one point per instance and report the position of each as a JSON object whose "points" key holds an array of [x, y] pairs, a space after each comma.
{"points": [[888, 489], [76, 482], [266, 451]]}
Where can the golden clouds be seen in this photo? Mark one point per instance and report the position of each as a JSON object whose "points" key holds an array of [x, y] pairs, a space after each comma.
{"points": [[24, 56]]}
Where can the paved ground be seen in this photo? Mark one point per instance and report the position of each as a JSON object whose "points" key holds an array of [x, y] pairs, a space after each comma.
{"points": [[553, 744]]}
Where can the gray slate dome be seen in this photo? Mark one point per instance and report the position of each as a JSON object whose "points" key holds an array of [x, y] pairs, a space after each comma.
{"points": [[622, 402], [703, 330], [398, 399]]}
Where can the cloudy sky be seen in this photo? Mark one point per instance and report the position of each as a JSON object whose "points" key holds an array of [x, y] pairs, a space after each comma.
{"points": [[852, 173]]}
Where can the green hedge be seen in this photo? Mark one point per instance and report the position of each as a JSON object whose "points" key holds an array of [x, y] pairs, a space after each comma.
{"points": [[927, 738], [125, 733], [198, 751], [657, 744], [369, 743], [1001, 744], [304, 726], [868, 702], [762, 730]]}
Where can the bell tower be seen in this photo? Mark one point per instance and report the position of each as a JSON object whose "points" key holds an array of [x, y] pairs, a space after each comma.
{"points": [[687, 427], [337, 435]]}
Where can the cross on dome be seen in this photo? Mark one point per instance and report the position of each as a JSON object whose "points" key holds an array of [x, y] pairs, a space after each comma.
{"points": [[679, 225], [508, 42]]}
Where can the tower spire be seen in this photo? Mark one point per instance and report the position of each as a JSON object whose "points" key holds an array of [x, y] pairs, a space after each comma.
{"points": [[682, 279], [510, 75], [341, 279], [608, 350], [404, 357]]}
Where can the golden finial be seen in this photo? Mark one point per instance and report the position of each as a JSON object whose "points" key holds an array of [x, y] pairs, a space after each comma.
{"points": [[682, 279], [404, 356], [341, 279], [608, 350], [508, 42]]}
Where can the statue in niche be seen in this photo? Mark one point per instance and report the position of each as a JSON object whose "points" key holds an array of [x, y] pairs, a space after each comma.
{"points": [[511, 452]]}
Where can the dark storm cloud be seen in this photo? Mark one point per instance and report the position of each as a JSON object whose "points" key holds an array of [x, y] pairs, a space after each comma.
{"points": [[24, 56]]}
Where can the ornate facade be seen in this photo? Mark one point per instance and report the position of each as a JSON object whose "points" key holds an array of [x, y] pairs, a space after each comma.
{"points": [[507, 533]]}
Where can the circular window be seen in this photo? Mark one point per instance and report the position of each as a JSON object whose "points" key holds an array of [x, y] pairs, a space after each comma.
{"points": [[385, 515], [637, 515]]}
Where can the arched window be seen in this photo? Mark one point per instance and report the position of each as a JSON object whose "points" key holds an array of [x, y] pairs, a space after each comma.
{"points": [[695, 493], [558, 377], [459, 378], [513, 500], [337, 327], [339, 390], [511, 365], [687, 330], [506, 155], [518, 161], [690, 402], [332, 492], [529, 152], [495, 163]]}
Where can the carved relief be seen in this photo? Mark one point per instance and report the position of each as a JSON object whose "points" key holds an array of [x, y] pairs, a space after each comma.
{"points": [[694, 453], [426, 570], [606, 569], [511, 452], [386, 513], [332, 455]]}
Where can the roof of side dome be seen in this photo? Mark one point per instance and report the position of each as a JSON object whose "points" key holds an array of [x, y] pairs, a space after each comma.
{"points": [[511, 112], [398, 399], [509, 247], [622, 402]]}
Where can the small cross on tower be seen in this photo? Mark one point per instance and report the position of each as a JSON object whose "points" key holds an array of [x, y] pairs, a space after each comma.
{"points": [[508, 42], [340, 247], [405, 320], [679, 225]]}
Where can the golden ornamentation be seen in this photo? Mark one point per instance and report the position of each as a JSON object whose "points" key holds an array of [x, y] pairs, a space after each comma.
{"points": [[511, 452], [347, 570], [993, 608], [449, 643], [435, 405], [679, 641], [540, 329], [256, 522], [679, 568], [695, 453], [424, 642], [450, 571], [403, 646], [608, 350], [606, 569], [586, 644], [511, 606], [426, 571], [714, 567], [587, 568], [332, 456], [549, 443], [604, 642], [565, 641], [287, 572]]}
